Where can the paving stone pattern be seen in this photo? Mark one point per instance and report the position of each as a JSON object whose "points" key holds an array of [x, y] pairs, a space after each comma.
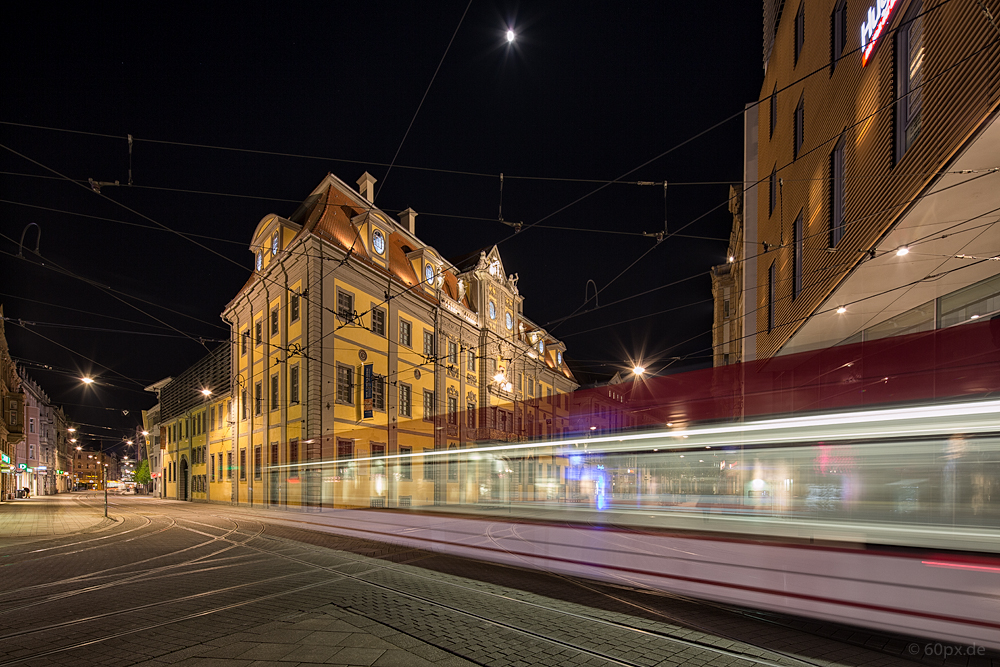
{"points": [[168, 583]]}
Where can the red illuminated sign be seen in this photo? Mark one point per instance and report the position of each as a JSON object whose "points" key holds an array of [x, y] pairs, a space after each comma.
{"points": [[874, 26]]}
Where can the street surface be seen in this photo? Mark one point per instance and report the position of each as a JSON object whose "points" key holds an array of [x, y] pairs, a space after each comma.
{"points": [[172, 583]]}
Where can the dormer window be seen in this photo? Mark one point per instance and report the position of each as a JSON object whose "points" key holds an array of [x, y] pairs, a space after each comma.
{"points": [[274, 244], [260, 259]]}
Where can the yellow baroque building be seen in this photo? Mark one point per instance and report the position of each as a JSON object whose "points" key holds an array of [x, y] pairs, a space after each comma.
{"points": [[363, 362]]}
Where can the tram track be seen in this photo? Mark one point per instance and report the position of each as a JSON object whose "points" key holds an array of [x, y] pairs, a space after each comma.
{"points": [[472, 604]]}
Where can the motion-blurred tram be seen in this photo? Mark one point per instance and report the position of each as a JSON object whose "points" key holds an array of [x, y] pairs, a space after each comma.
{"points": [[835, 485]]}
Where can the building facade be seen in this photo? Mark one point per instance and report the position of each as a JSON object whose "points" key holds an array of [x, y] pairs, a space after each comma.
{"points": [[194, 428], [875, 177], [43, 462], [12, 419], [361, 358], [728, 293]]}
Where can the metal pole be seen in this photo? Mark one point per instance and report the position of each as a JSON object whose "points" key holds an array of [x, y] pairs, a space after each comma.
{"points": [[105, 491]]}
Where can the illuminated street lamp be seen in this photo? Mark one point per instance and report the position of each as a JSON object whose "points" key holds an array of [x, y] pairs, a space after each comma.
{"points": [[87, 380], [638, 370]]}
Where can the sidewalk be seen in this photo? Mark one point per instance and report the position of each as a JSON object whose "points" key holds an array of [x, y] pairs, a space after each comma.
{"points": [[40, 517]]}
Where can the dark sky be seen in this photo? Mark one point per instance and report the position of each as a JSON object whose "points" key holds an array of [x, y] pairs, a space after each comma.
{"points": [[587, 93]]}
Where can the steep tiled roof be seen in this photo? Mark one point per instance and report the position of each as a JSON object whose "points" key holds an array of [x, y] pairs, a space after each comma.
{"points": [[399, 265]]}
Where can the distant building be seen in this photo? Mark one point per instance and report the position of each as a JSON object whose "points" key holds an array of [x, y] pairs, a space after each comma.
{"points": [[354, 341], [42, 455], [727, 292], [874, 156], [92, 467], [12, 419], [154, 441]]}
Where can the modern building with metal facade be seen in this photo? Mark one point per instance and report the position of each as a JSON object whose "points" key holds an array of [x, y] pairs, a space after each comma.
{"points": [[877, 173]]}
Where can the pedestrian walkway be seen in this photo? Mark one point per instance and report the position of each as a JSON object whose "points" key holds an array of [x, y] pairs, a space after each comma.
{"points": [[41, 517]]}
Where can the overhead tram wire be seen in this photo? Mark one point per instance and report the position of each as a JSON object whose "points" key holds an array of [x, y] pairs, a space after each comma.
{"points": [[53, 266], [419, 106], [243, 243], [607, 183], [820, 145]]}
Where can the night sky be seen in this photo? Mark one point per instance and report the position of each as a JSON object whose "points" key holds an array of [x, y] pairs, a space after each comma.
{"points": [[240, 110]]}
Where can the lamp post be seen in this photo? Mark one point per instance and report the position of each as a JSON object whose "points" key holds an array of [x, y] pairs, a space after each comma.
{"points": [[105, 489]]}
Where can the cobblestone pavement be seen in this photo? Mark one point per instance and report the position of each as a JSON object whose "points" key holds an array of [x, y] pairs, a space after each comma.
{"points": [[168, 583]]}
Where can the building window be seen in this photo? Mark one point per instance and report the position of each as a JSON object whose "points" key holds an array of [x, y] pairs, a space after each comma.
{"points": [[797, 122], [428, 344], [797, 255], [378, 321], [243, 464], [243, 343], [453, 410], [472, 360], [428, 405], [838, 33], [293, 309], [909, 79], [274, 392], [345, 306], [470, 416], [837, 174], [31, 425], [257, 466], [405, 400], [405, 333], [259, 332], [293, 385], [771, 287], [274, 454], [345, 459], [345, 384], [229, 465], [774, 111], [452, 465], [452, 353], [274, 322], [725, 308], [405, 463], [772, 190], [531, 386], [293, 459], [258, 408], [213, 467], [378, 392], [220, 465], [800, 30], [243, 403]]}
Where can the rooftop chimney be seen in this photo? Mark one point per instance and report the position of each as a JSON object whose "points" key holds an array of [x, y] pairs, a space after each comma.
{"points": [[408, 219], [366, 186]]}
